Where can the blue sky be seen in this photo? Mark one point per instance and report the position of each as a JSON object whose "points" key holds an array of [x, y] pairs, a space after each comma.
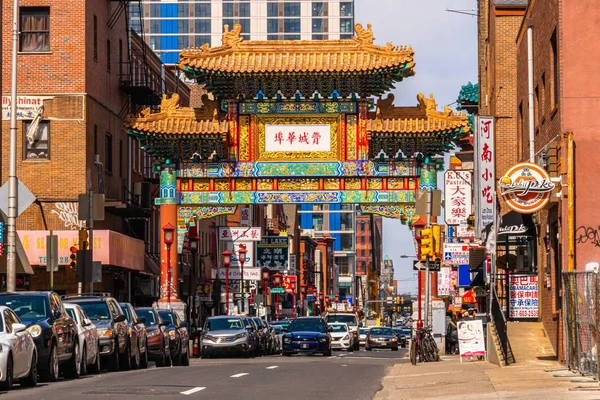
{"points": [[445, 45]]}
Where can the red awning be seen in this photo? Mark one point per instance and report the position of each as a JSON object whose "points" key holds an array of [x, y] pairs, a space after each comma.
{"points": [[469, 297]]}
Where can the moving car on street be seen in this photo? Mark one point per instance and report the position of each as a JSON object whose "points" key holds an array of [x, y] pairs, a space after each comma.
{"points": [[18, 355], [52, 329], [158, 337], [402, 341], [105, 313], [137, 337], [307, 335], [87, 335], [226, 335], [381, 337], [341, 336], [362, 336], [346, 317], [178, 337]]}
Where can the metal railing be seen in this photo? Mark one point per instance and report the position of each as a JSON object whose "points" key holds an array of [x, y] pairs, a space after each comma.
{"points": [[500, 324]]}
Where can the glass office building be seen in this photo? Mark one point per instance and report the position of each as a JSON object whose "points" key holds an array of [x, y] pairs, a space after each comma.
{"points": [[170, 26]]}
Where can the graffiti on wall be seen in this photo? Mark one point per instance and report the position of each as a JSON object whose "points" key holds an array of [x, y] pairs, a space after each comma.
{"points": [[68, 213], [588, 234]]}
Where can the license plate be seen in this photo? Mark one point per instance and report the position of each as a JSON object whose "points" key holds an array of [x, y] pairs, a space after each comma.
{"points": [[305, 346], [383, 343]]}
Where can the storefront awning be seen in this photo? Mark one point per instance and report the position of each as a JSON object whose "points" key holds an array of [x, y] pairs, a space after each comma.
{"points": [[110, 248]]}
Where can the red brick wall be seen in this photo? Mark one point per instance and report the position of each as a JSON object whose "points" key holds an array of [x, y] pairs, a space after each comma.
{"points": [[366, 246]]}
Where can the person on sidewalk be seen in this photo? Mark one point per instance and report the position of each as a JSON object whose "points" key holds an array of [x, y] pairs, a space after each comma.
{"points": [[452, 335]]}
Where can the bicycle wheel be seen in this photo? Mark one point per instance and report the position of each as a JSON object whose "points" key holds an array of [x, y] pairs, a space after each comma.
{"points": [[413, 352], [430, 348]]}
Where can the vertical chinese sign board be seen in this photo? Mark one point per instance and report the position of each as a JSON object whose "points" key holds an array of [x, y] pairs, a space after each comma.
{"points": [[457, 196], [523, 291], [272, 252], [485, 195], [1, 238]]}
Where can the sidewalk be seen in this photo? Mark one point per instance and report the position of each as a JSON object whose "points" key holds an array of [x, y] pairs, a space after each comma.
{"points": [[451, 379]]}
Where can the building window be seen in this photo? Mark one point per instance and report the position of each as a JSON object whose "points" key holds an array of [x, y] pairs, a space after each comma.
{"points": [[362, 226], [183, 26], [108, 154], [155, 10], [227, 10], [36, 140], [363, 253], [183, 10], [35, 29], [346, 25], [201, 40], [95, 38], [362, 240], [108, 55], [291, 10], [317, 25], [202, 26], [272, 10], [555, 76], [346, 9], [272, 26], [183, 42], [244, 10], [291, 25], [202, 10], [319, 9]]}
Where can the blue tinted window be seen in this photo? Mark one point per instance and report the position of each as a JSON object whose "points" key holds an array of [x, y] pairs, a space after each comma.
{"points": [[291, 9], [202, 25], [202, 10], [346, 9], [227, 10], [273, 10], [346, 25], [272, 25], [291, 25]]}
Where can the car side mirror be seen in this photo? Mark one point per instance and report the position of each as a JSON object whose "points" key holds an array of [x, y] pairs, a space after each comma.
{"points": [[141, 320], [86, 322], [56, 314], [16, 328], [329, 329], [120, 318]]}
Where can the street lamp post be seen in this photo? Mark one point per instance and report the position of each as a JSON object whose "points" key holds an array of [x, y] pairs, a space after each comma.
{"points": [[277, 282], [168, 231], [302, 296], [194, 241], [242, 257], [226, 263], [266, 274], [293, 287]]}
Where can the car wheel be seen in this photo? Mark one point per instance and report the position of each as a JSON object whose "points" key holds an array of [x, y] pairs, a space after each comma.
{"points": [[327, 353], [31, 379], [356, 346], [185, 359], [125, 360], [350, 349], [144, 358], [8, 382], [83, 367], [394, 349], [367, 348], [51, 374], [113, 362], [162, 360], [74, 368], [168, 357], [287, 354], [136, 359], [95, 367]]}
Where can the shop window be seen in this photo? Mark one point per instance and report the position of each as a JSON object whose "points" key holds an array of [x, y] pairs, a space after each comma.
{"points": [[36, 140], [35, 29]]}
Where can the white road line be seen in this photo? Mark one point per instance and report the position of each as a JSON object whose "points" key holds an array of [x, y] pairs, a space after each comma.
{"points": [[272, 367], [344, 365], [194, 390], [239, 375]]}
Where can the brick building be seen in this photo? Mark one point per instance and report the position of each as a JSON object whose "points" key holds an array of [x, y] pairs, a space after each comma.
{"points": [[364, 247], [566, 99], [80, 73]]}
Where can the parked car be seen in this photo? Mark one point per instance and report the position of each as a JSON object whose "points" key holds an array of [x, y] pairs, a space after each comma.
{"points": [[18, 354], [381, 337], [277, 333], [402, 341], [362, 336], [89, 342], [284, 323], [264, 335], [178, 337], [226, 335], [137, 336], [307, 335], [341, 336], [254, 336], [158, 336], [104, 312], [52, 329]]}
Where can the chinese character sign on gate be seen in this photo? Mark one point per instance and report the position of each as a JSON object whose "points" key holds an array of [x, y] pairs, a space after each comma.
{"points": [[298, 138], [523, 292], [486, 172], [457, 196]]}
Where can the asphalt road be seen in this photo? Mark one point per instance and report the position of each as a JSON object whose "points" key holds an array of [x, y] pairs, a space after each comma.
{"points": [[344, 376]]}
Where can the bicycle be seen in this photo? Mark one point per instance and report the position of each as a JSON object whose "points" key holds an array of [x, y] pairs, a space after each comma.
{"points": [[423, 347]]}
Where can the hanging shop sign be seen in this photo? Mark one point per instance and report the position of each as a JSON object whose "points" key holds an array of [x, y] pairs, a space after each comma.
{"points": [[456, 254], [526, 188], [298, 138], [246, 216], [486, 173], [250, 274], [523, 290], [240, 233], [444, 281], [234, 248], [457, 196], [272, 252]]}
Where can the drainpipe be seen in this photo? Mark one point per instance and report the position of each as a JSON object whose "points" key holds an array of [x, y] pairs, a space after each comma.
{"points": [[571, 201], [530, 90]]}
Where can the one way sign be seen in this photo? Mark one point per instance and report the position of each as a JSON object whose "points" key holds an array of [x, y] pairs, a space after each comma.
{"points": [[420, 266]]}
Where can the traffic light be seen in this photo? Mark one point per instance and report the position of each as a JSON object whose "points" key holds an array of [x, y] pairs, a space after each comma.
{"points": [[73, 257], [437, 242], [426, 243]]}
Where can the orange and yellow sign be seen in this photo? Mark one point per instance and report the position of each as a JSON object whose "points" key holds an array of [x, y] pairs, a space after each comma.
{"points": [[526, 188]]}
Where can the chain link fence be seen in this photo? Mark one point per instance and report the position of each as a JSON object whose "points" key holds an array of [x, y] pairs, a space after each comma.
{"points": [[581, 320]]}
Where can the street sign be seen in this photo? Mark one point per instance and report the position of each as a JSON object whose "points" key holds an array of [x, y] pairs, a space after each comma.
{"points": [[436, 202], [420, 266], [456, 254], [51, 253], [277, 291], [97, 207], [24, 195]]}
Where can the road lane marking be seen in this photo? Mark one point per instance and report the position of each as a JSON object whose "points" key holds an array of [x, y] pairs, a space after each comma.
{"points": [[193, 390], [239, 375], [344, 365], [272, 367]]}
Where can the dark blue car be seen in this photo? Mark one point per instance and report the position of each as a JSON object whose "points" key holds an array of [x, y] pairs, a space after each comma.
{"points": [[307, 335]]}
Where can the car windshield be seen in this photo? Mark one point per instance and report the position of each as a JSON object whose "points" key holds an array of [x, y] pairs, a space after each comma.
{"points": [[364, 331], [300, 325], [338, 328], [127, 312], [382, 331], [95, 310], [345, 318], [278, 329], [223, 324], [167, 316], [30, 309], [148, 314]]}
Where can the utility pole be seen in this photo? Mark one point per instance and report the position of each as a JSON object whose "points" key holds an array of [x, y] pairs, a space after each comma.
{"points": [[11, 253]]}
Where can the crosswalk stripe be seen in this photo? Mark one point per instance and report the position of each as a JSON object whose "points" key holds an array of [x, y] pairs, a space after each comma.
{"points": [[193, 390], [272, 367], [239, 375]]}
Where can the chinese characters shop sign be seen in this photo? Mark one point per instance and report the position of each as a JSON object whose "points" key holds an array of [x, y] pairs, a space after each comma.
{"points": [[298, 138], [523, 296], [241, 233], [486, 153], [457, 196], [272, 252]]}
